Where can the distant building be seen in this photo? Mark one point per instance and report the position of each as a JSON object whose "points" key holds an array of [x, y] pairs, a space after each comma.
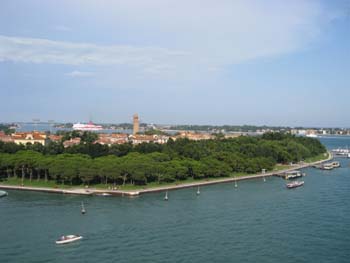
{"points": [[5, 138], [55, 138], [195, 136], [141, 138], [71, 142], [136, 123], [30, 137], [114, 138]]}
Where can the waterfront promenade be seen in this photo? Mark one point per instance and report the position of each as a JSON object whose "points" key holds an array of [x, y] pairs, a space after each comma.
{"points": [[131, 193]]}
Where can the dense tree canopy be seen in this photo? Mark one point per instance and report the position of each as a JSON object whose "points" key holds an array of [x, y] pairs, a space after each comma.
{"points": [[91, 163]]}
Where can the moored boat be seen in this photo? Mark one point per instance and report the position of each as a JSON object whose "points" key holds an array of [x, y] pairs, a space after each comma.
{"points": [[294, 184], [330, 166], [104, 194], [293, 174], [3, 193], [68, 239], [345, 152]]}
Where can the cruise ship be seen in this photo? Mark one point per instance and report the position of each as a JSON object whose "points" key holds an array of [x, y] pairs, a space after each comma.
{"points": [[87, 127]]}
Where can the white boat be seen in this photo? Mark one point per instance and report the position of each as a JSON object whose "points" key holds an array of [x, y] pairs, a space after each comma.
{"points": [[103, 194], [68, 239], [341, 152], [3, 193], [87, 127], [295, 184], [330, 166], [292, 174]]}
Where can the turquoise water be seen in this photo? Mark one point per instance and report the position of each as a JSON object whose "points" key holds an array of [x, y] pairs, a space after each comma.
{"points": [[256, 222]]}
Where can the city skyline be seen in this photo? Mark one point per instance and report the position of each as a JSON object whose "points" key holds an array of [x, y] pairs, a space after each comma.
{"points": [[276, 64]]}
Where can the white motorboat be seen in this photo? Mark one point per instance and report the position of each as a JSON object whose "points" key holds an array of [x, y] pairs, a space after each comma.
{"points": [[3, 193], [295, 184], [68, 239], [104, 194]]}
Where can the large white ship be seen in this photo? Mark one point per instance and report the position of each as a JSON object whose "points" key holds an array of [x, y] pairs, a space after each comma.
{"points": [[87, 127]]}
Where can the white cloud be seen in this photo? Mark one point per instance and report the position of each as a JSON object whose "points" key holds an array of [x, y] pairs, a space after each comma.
{"points": [[77, 73], [35, 50], [185, 36]]}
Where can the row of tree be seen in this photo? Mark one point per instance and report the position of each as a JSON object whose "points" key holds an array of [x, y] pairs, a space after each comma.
{"points": [[177, 160]]}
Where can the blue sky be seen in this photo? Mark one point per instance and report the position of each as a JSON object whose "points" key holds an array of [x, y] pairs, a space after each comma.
{"points": [[178, 62]]}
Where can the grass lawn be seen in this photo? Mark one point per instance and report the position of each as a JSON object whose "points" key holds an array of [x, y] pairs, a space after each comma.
{"points": [[319, 157], [34, 183], [187, 181], [280, 167]]}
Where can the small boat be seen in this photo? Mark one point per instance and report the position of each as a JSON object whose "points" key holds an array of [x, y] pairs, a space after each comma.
{"points": [[295, 184], [166, 196], [104, 194], [68, 239], [292, 174], [3, 193], [330, 166], [198, 192]]}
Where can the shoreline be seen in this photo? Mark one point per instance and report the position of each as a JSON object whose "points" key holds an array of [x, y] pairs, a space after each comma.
{"points": [[133, 193]]}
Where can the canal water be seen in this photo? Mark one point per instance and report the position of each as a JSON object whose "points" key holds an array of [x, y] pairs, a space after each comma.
{"points": [[255, 222]]}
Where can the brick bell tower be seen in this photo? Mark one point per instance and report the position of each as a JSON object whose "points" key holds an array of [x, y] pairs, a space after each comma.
{"points": [[136, 123]]}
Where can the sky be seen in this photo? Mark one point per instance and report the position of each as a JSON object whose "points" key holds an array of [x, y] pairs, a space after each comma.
{"points": [[235, 62]]}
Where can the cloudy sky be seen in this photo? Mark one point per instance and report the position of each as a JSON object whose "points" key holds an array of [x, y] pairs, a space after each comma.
{"points": [[181, 62]]}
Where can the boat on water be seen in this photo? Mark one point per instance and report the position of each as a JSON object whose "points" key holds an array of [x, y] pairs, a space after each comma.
{"points": [[68, 239], [104, 194], [345, 152], [87, 127], [294, 184], [3, 193], [330, 166], [293, 174]]}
